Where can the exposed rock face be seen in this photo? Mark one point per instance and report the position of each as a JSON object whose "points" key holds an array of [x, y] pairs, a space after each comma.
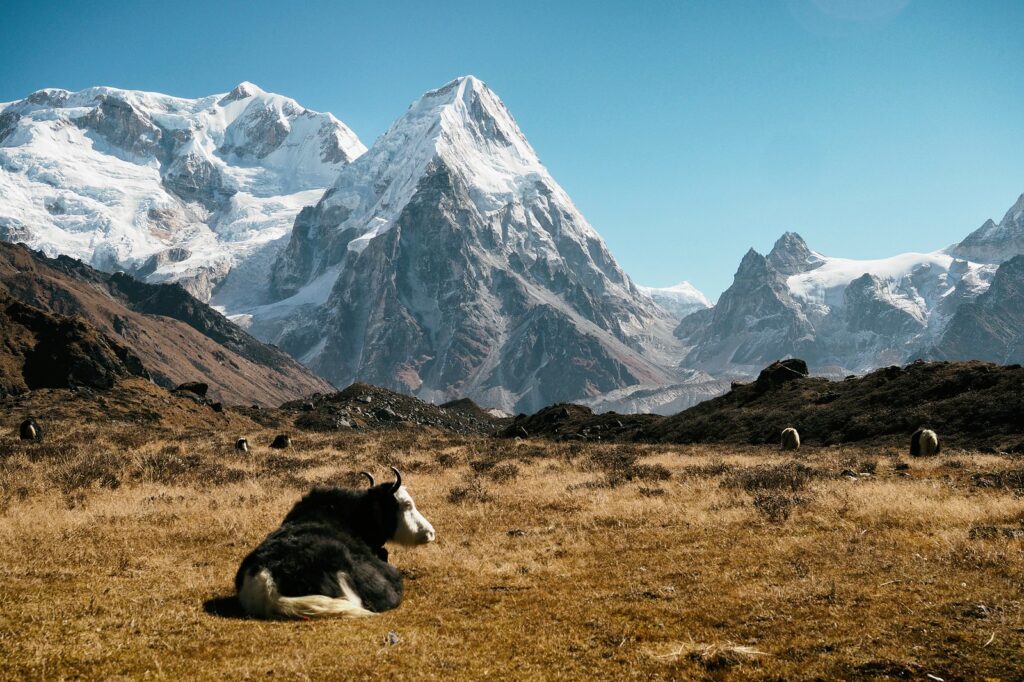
{"points": [[122, 125], [69, 324], [870, 310], [781, 372], [991, 327], [755, 321], [841, 315], [992, 242], [118, 178], [361, 406], [195, 179], [446, 262], [791, 256]]}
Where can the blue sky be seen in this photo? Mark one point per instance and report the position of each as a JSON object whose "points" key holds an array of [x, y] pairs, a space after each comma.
{"points": [[685, 131]]}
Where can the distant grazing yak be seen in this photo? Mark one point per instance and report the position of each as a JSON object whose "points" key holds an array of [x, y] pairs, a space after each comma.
{"points": [[242, 445], [281, 441], [790, 439], [924, 443], [30, 430], [328, 556]]}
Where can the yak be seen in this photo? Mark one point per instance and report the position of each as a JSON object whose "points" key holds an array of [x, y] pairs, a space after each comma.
{"points": [[328, 556], [924, 442], [30, 430]]}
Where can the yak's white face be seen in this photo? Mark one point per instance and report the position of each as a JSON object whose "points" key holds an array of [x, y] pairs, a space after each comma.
{"points": [[413, 528]]}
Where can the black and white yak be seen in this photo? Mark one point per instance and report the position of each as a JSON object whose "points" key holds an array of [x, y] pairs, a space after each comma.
{"points": [[30, 430], [328, 556], [790, 439], [924, 442]]}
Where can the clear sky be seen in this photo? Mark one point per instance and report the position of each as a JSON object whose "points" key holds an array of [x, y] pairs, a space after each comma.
{"points": [[686, 132]]}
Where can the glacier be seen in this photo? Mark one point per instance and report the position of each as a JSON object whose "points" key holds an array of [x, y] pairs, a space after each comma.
{"points": [[163, 187]]}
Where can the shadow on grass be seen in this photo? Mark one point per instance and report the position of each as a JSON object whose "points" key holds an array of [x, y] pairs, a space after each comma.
{"points": [[224, 607]]}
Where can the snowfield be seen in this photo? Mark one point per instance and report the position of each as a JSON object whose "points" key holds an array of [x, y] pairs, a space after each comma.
{"points": [[678, 300], [914, 282], [165, 187]]}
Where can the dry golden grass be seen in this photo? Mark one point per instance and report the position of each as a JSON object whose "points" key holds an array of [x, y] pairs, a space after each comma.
{"points": [[553, 561]]}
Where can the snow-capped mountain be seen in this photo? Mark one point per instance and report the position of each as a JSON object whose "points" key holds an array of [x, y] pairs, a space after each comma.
{"points": [[839, 314], [163, 187], [678, 300], [991, 327], [992, 242], [447, 262]]}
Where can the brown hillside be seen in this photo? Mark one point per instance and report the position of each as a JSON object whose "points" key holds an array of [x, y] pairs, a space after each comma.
{"points": [[40, 350], [176, 337], [970, 404], [129, 403]]}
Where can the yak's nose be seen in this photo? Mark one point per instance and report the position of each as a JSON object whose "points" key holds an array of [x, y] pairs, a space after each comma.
{"points": [[429, 535]]}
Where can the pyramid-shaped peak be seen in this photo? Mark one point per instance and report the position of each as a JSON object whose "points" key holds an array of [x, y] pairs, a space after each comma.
{"points": [[791, 255], [459, 88], [465, 101], [465, 128], [752, 260], [790, 240], [243, 90]]}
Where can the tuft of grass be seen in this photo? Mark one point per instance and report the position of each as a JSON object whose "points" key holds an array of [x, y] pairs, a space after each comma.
{"points": [[776, 506], [1012, 479], [792, 476], [472, 489], [712, 469], [716, 657]]}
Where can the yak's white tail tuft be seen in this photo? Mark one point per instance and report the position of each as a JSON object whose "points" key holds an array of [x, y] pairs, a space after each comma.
{"points": [[259, 597]]}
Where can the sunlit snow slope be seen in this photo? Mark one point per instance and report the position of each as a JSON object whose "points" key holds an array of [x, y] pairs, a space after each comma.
{"points": [[163, 187]]}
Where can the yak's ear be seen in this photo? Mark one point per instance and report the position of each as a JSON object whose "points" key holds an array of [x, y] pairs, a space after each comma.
{"points": [[369, 477]]}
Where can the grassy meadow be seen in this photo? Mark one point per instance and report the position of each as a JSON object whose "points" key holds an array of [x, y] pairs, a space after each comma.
{"points": [[119, 544]]}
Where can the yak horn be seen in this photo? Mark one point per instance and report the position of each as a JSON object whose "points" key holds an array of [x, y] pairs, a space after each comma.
{"points": [[398, 480], [369, 477]]}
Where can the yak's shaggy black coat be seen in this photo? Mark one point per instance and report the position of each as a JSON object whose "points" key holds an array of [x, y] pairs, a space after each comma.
{"points": [[30, 430], [331, 530]]}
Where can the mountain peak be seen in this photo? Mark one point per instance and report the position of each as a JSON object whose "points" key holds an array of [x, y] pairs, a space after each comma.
{"points": [[679, 300], [243, 90], [992, 242], [464, 128], [465, 112], [457, 88], [444, 257], [751, 257], [790, 240], [791, 256], [1016, 212]]}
